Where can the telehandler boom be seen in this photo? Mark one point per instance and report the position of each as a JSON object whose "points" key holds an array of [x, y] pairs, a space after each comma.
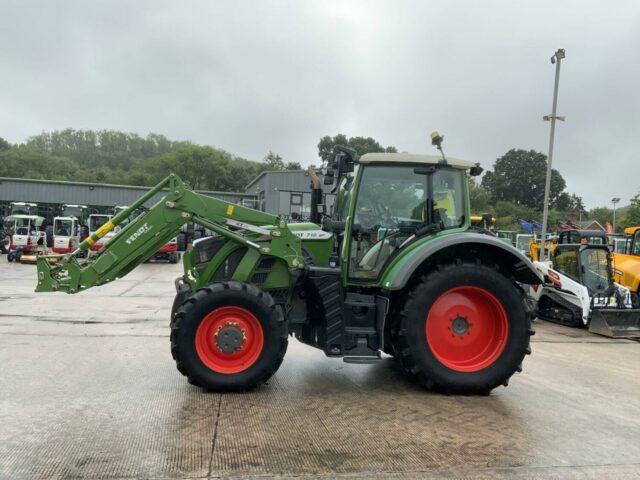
{"points": [[395, 268]]}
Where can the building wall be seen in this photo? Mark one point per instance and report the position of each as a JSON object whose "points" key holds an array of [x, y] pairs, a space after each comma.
{"points": [[48, 194], [285, 193]]}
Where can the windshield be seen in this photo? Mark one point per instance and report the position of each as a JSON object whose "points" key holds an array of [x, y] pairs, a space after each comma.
{"points": [[595, 269], [21, 210], [393, 202], [72, 211], [522, 242], [96, 221], [63, 227]]}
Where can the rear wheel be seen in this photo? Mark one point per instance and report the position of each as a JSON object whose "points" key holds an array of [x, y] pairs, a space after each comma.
{"points": [[463, 329], [228, 336]]}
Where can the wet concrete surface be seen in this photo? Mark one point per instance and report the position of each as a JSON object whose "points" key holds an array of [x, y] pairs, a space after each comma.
{"points": [[88, 389]]}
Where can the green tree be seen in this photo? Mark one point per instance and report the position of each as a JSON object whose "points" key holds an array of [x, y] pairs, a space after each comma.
{"points": [[632, 217], [519, 176], [273, 161], [4, 145], [293, 166], [26, 162], [479, 198], [361, 145], [601, 214]]}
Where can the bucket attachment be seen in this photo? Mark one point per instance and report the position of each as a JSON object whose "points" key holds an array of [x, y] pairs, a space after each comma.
{"points": [[615, 322]]}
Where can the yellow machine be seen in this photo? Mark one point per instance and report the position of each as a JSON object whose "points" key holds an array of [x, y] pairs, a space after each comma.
{"points": [[626, 266], [534, 247]]}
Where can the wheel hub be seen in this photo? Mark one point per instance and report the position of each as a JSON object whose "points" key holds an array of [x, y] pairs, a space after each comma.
{"points": [[460, 325], [230, 338]]}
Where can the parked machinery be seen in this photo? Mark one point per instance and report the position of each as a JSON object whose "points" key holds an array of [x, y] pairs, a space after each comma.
{"points": [[626, 264], [81, 213], [395, 268], [26, 235], [96, 223], [580, 290], [66, 234]]}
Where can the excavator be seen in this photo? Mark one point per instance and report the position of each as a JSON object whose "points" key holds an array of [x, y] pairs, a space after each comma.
{"points": [[395, 268]]}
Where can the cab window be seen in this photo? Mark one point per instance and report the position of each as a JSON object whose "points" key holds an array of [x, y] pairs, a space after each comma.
{"points": [[341, 205], [393, 202], [635, 248]]}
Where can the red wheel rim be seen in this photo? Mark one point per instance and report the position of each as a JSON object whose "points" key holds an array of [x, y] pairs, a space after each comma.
{"points": [[240, 320], [467, 329]]}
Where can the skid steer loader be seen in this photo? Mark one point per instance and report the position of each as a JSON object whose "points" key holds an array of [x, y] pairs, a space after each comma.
{"points": [[394, 269], [579, 290]]}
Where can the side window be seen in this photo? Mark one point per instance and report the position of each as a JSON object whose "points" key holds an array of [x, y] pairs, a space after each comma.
{"points": [[448, 206], [341, 204], [635, 250], [296, 199]]}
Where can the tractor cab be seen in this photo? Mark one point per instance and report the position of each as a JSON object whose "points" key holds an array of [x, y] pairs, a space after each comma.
{"points": [[66, 234], [388, 201], [591, 237]]}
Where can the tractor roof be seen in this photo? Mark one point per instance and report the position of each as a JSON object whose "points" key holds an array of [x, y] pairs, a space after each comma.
{"points": [[585, 233], [630, 230], [370, 158], [30, 217]]}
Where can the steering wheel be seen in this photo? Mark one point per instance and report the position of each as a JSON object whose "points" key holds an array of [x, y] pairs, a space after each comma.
{"points": [[384, 213]]}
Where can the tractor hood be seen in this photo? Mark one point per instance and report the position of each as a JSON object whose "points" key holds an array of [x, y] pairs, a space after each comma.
{"points": [[315, 242]]}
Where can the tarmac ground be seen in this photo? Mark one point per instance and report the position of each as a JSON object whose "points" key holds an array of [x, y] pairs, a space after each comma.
{"points": [[88, 389]]}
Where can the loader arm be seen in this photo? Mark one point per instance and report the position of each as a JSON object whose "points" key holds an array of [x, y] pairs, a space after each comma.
{"points": [[142, 237]]}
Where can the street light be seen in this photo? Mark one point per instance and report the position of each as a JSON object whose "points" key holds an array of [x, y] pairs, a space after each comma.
{"points": [[555, 59], [615, 201]]}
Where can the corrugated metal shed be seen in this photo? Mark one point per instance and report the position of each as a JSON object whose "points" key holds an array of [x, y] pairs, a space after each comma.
{"points": [[285, 192], [105, 195]]}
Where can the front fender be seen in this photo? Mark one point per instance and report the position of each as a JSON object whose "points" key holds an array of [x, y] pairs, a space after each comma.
{"points": [[465, 245]]}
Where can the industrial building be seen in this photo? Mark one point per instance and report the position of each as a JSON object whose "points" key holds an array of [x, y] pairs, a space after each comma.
{"points": [[285, 193]]}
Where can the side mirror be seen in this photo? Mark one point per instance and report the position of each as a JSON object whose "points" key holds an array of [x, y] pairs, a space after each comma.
{"points": [[329, 177], [475, 171]]}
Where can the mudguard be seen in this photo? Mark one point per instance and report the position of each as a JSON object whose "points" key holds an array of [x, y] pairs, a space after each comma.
{"points": [[401, 270]]}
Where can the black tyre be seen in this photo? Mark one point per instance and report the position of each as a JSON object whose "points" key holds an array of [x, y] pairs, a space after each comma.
{"points": [[174, 257], [228, 336], [463, 329]]}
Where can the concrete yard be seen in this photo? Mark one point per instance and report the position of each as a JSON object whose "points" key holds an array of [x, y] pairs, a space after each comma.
{"points": [[88, 389]]}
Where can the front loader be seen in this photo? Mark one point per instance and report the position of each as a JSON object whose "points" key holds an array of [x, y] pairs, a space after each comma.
{"points": [[394, 269]]}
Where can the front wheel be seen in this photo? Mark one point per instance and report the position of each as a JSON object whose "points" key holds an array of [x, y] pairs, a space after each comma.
{"points": [[228, 336], [464, 329]]}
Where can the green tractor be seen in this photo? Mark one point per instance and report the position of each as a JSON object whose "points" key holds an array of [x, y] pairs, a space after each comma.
{"points": [[394, 269]]}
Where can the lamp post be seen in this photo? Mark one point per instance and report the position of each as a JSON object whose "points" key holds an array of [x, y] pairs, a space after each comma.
{"points": [[615, 201], [556, 59]]}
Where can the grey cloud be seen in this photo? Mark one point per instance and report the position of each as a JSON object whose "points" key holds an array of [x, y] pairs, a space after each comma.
{"points": [[257, 76]]}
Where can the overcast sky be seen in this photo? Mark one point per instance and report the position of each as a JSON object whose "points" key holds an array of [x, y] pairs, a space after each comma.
{"points": [[251, 77]]}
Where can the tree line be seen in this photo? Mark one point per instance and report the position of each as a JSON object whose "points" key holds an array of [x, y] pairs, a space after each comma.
{"points": [[513, 189], [109, 156]]}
